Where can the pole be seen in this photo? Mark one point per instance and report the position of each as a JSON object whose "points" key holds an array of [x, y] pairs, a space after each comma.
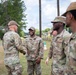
{"points": [[40, 16], [58, 10]]}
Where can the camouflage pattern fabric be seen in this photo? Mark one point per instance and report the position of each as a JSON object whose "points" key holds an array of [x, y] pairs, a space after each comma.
{"points": [[15, 69], [33, 66], [57, 53], [35, 49], [12, 46], [71, 55]]}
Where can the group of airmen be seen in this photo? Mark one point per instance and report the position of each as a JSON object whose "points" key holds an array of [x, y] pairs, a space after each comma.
{"points": [[62, 49]]}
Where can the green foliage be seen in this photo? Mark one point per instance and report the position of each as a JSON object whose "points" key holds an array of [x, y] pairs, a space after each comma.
{"points": [[37, 32], [13, 10], [68, 29], [22, 33], [46, 30]]}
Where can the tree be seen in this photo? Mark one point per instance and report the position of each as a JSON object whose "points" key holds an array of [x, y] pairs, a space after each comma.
{"points": [[37, 32], [13, 10], [46, 30]]}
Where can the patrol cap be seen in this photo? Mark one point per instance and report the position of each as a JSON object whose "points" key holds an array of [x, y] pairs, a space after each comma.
{"points": [[31, 28], [59, 19], [12, 22], [71, 7]]}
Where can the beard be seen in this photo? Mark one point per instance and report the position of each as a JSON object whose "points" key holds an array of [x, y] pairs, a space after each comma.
{"points": [[56, 28], [32, 34]]}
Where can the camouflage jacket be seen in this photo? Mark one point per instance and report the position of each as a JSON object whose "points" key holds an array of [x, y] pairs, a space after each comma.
{"points": [[56, 51], [35, 48], [71, 55], [12, 45]]}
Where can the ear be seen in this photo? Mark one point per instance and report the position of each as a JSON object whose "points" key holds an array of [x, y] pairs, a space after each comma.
{"points": [[70, 16]]}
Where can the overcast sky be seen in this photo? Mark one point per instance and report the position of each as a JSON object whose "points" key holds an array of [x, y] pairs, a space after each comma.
{"points": [[49, 11]]}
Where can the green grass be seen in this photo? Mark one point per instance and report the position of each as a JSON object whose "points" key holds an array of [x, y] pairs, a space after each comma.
{"points": [[46, 69]]}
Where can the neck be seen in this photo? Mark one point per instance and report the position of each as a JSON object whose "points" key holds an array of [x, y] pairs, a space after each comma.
{"points": [[32, 36], [73, 26]]}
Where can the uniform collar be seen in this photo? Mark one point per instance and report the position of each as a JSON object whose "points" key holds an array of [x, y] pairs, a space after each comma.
{"points": [[73, 36], [33, 37]]}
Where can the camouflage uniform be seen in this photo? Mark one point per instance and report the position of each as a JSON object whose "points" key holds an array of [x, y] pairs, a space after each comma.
{"points": [[71, 55], [12, 46], [34, 50], [57, 53], [71, 46]]}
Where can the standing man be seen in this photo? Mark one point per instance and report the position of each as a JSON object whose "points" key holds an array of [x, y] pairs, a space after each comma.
{"points": [[12, 46], [71, 54], [35, 49], [56, 51]]}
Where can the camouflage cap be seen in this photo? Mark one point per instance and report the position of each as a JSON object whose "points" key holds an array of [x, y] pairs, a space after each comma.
{"points": [[12, 22], [31, 28], [71, 7], [59, 19]]}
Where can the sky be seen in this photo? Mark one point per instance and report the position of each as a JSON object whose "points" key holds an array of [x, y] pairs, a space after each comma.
{"points": [[49, 12]]}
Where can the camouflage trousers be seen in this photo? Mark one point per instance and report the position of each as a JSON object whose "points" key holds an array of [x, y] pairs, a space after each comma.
{"points": [[15, 69], [70, 72], [32, 67], [57, 71]]}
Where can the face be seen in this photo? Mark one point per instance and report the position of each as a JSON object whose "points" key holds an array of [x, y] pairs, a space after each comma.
{"points": [[31, 32], [68, 19], [13, 27], [56, 25]]}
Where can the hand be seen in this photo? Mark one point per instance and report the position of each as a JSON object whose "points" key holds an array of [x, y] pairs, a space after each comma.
{"points": [[47, 60], [38, 60]]}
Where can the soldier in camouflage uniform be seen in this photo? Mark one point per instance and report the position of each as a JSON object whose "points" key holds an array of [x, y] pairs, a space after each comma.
{"points": [[71, 52], [35, 48], [56, 51], [12, 46]]}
